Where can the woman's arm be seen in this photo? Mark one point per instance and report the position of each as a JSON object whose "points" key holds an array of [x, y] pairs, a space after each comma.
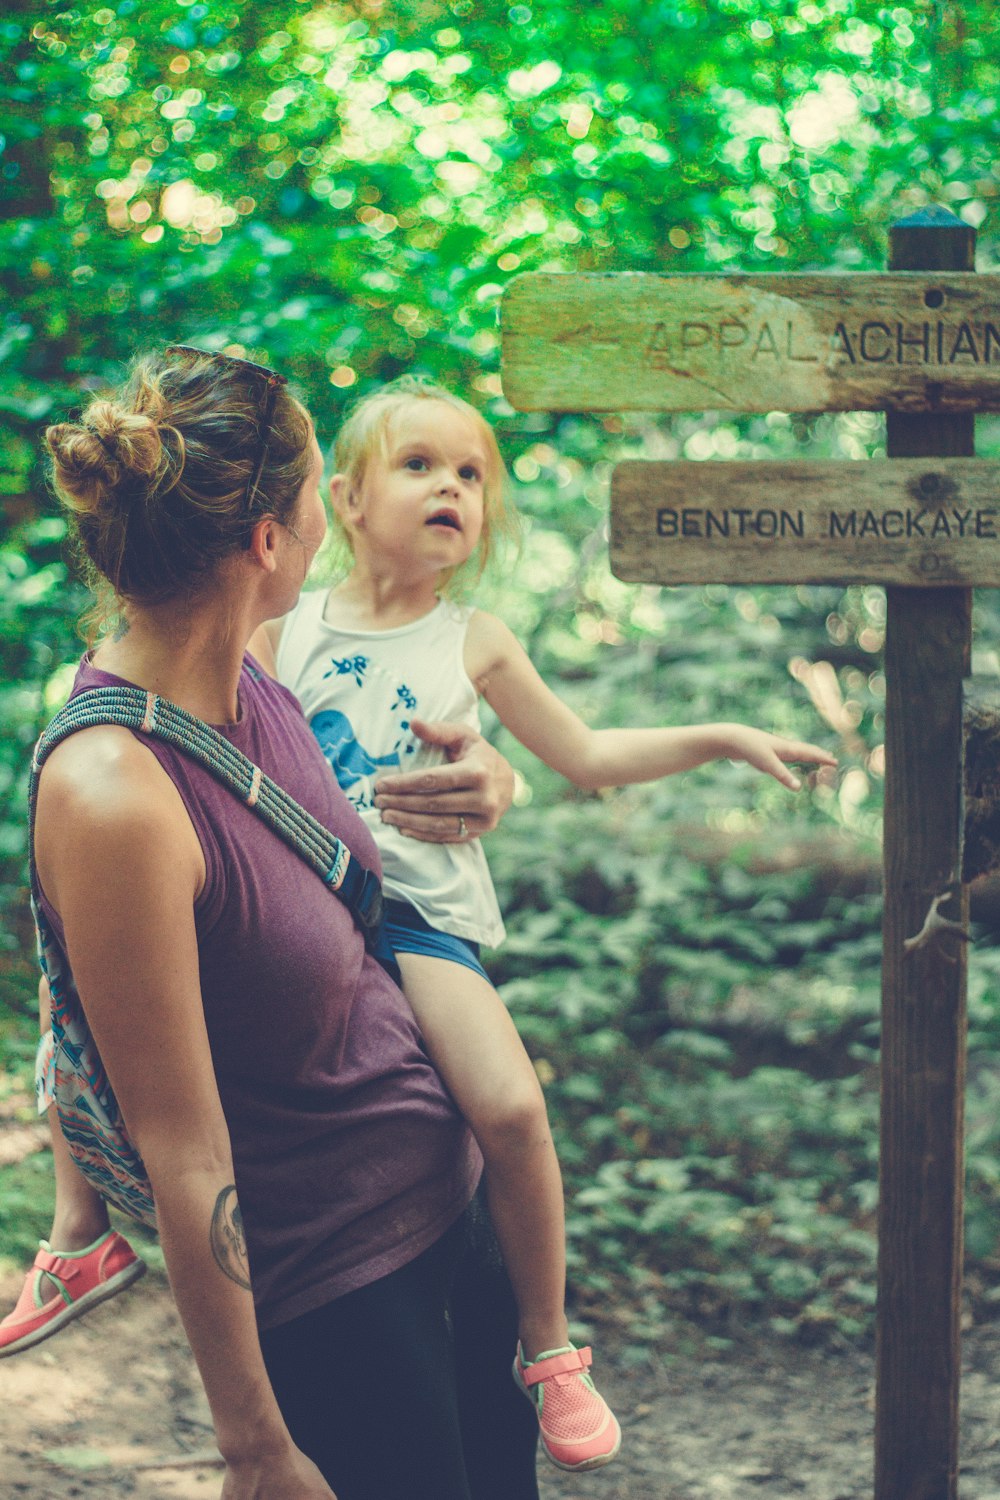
{"points": [[118, 858], [593, 758]]}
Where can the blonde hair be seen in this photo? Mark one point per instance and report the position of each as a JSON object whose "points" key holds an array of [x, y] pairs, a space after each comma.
{"points": [[155, 475], [365, 436]]}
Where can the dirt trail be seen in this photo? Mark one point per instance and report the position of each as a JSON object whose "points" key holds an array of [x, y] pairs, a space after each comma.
{"points": [[112, 1408]]}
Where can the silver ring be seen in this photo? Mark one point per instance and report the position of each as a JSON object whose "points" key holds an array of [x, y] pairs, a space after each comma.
{"points": [[462, 830]]}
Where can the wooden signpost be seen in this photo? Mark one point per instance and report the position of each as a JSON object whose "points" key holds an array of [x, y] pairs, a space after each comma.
{"points": [[921, 342], [901, 519], [636, 341]]}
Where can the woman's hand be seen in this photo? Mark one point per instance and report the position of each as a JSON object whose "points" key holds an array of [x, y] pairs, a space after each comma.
{"points": [[286, 1476], [453, 803], [771, 753]]}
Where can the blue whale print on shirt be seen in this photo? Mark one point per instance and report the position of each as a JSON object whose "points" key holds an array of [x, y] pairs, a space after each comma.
{"points": [[350, 760]]}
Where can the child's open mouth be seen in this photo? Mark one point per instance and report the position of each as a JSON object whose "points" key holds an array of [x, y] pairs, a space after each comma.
{"points": [[445, 518]]}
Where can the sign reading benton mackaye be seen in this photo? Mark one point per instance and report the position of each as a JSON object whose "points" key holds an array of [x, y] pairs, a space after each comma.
{"points": [[629, 341], [917, 521]]}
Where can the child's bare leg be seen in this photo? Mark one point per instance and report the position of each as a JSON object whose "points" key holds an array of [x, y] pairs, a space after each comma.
{"points": [[477, 1051], [80, 1216]]}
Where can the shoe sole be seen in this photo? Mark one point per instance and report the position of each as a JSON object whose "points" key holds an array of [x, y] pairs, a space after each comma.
{"points": [[585, 1463], [98, 1294]]}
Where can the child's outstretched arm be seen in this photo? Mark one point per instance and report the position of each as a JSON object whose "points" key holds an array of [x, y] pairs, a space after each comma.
{"points": [[593, 758]]}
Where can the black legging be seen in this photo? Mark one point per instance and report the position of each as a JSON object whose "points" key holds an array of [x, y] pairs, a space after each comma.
{"points": [[403, 1390]]}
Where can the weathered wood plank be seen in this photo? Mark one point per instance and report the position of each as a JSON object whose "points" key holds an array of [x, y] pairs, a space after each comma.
{"points": [[629, 341], [927, 650], [904, 521]]}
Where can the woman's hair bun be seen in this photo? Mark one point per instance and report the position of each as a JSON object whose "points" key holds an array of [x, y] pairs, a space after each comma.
{"points": [[93, 456], [131, 438], [105, 440]]}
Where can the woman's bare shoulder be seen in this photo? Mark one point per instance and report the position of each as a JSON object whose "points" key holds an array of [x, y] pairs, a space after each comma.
{"points": [[102, 763], [104, 798]]}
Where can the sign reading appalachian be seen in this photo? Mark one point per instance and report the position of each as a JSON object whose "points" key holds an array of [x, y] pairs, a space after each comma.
{"points": [[629, 341], [919, 521]]}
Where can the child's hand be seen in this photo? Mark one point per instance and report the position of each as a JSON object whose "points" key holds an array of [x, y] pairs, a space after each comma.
{"points": [[770, 753]]}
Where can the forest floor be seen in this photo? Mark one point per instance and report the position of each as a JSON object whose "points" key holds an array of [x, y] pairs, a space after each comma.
{"points": [[112, 1408]]}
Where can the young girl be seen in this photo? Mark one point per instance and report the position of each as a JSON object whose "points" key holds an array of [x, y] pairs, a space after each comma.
{"points": [[418, 493]]}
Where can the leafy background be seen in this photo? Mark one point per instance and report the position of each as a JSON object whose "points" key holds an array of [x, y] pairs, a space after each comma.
{"points": [[344, 190]]}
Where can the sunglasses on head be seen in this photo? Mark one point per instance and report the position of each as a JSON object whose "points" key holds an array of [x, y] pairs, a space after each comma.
{"points": [[272, 383]]}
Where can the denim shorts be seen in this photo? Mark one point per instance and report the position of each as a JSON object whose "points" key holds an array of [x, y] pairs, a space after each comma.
{"points": [[409, 933]]}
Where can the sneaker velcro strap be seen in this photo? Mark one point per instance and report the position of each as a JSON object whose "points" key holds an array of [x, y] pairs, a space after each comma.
{"points": [[573, 1362], [48, 1287]]}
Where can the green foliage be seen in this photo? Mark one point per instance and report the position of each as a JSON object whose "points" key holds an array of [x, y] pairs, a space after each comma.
{"points": [[343, 189], [708, 1038], [348, 186], [25, 1208], [679, 1016]]}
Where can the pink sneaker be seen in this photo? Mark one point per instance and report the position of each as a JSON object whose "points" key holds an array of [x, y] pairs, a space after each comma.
{"points": [[60, 1287], [578, 1428]]}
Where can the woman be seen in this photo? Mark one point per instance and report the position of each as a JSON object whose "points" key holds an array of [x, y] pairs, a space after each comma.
{"points": [[271, 1074]]}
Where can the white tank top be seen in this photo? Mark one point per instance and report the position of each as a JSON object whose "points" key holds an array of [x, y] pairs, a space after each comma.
{"points": [[358, 690]]}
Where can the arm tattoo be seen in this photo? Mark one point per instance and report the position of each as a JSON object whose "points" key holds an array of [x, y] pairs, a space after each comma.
{"points": [[227, 1239]]}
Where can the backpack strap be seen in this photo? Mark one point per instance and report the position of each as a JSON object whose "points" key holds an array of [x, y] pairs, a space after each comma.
{"points": [[132, 708]]}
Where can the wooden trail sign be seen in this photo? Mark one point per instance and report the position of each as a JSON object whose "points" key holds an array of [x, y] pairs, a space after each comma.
{"points": [[921, 343], [928, 648], [906, 521], [632, 341]]}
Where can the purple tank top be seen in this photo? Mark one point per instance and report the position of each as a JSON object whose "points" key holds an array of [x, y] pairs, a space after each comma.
{"points": [[350, 1158]]}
